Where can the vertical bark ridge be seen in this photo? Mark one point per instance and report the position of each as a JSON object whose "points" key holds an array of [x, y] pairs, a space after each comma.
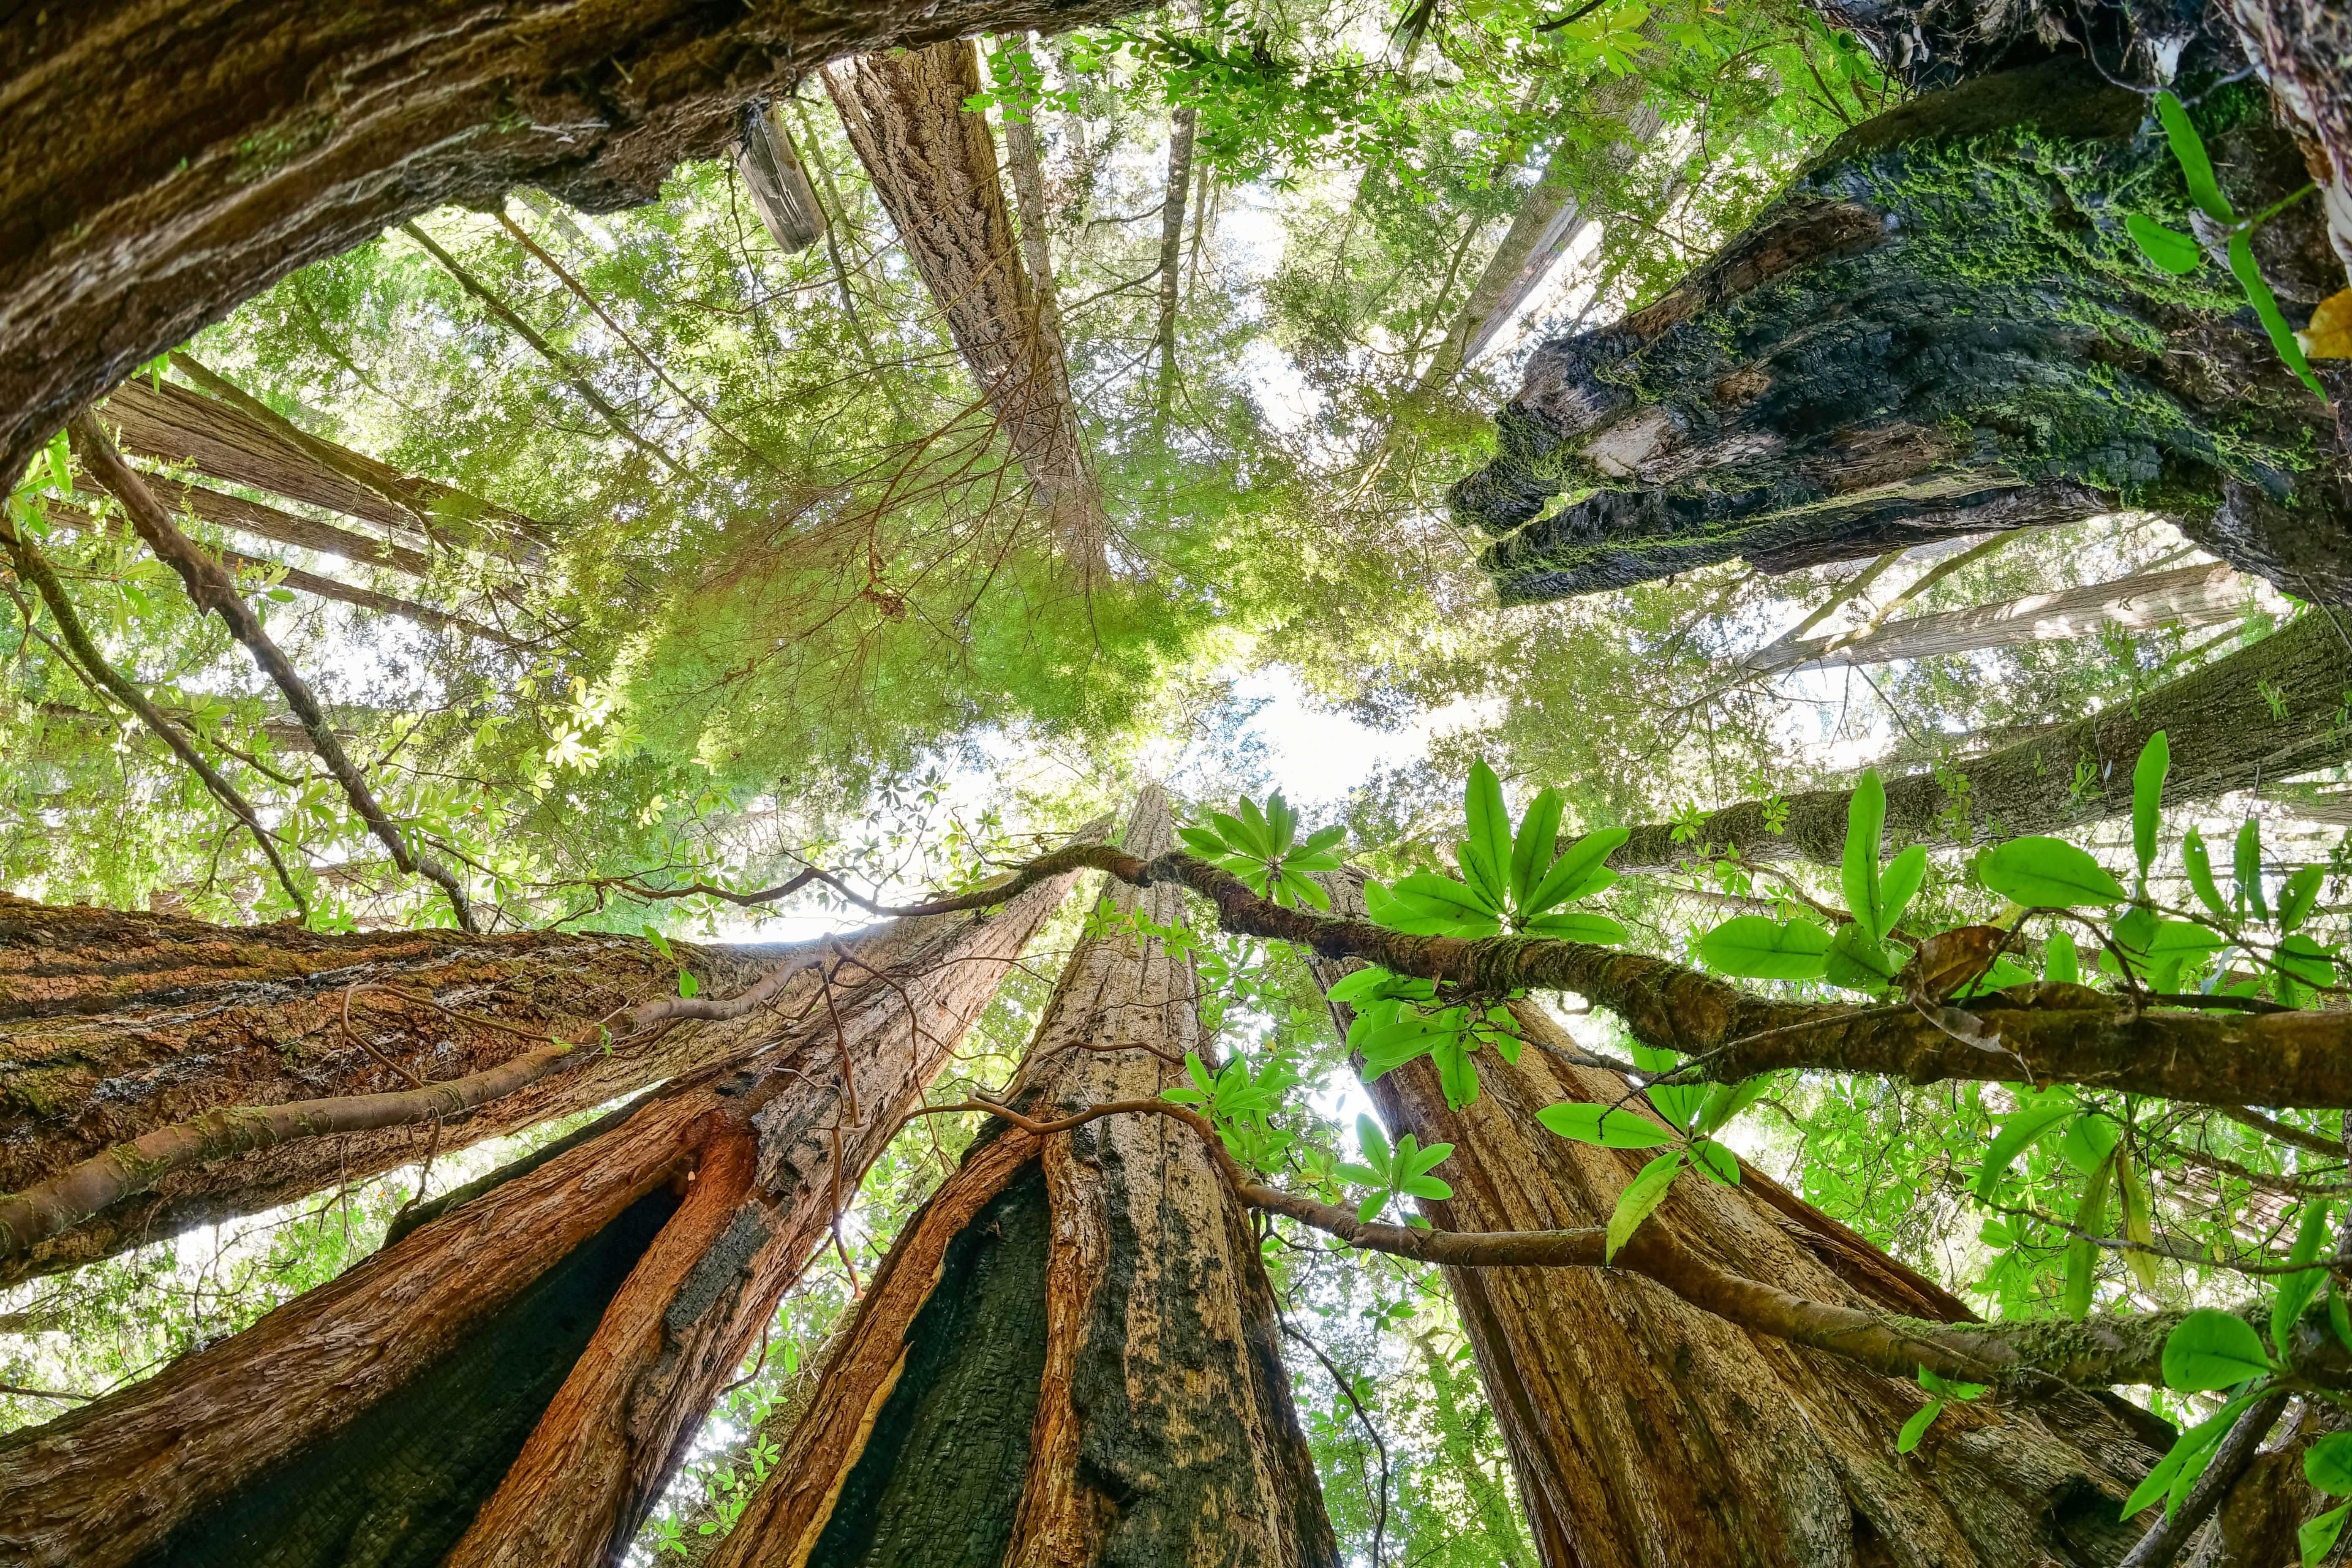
{"points": [[1647, 1434], [1162, 1430], [934, 167], [112, 1480]]}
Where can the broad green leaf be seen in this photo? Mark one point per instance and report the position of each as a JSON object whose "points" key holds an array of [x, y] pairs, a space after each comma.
{"points": [[60, 474], [1485, 877], [2209, 1350], [1677, 1102], [2327, 1464], [1375, 1145], [1426, 1160], [1642, 1196], [1372, 1206], [2192, 1447], [1203, 842], [2296, 1290], [2200, 873], [1610, 1126], [1489, 819], [1457, 1075], [2138, 1225], [1756, 947], [2315, 1538], [1281, 824], [1916, 1428], [1429, 887], [1321, 839], [1858, 961], [2176, 252], [2196, 168], [2295, 899], [1865, 822], [2082, 1252], [2148, 797], [2048, 873], [688, 984], [1727, 1101], [2023, 1129], [2089, 1140], [1573, 875], [1306, 888], [2060, 964], [1356, 987], [1198, 1073], [2257, 293], [1425, 1187], [661, 945], [1533, 846], [1712, 1160], [2246, 860], [1900, 881], [1241, 836], [1571, 926], [1358, 1175], [2306, 960]]}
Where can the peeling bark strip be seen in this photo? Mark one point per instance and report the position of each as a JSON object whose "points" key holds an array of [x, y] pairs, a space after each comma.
{"points": [[934, 167], [1943, 328], [1149, 1421], [215, 1434], [242, 139], [1645, 1431], [2225, 734]]}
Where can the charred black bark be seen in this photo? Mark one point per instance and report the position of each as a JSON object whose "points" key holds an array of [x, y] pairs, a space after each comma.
{"points": [[1942, 328]]}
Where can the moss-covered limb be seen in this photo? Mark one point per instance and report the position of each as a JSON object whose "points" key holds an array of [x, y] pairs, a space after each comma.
{"points": [[2225, 734], [1943, 326]]}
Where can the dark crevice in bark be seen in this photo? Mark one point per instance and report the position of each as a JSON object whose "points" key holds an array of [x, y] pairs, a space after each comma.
{"points": [[949, 1450], [396, 1487]]}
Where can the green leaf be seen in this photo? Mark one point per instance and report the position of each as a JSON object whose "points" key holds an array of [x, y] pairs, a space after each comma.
{"points": [[1865, 822], [2295, 899], [2147, 796], [1609, 1127], [2296, 1290], [2023, 1127], [1900, 881], [1356, 987], [1305, 888], [2192, 1447], [1485, 878], [2246, 861], [1429, 1159], [2082, 1252], [1371, 1206], [1756, 947], [2327, 1464], [2177, 253], [1857, 960], [688, 984], [1281, 822], [1445, 892], [661, 945], [2200, 873], [1713, 1161], [2209, 1350], [1916, 1428], [1727, 1101], [1375, 1145], [1204, 843], [1532, 849], [1457, 1075], [2060, 964], [1321, 839], [2196, 168], [1642, 1196], [59, 473], [2304, 960], [1425, 1187], [2090, 1139], [2315, 1538], [1600, 931], [1677, 1102], [1358, 1175], [1199, 1073], [2258, 294], [1243, 836], [2132, 1194], [2048, 873], [1490, 821], [1579, 872]]}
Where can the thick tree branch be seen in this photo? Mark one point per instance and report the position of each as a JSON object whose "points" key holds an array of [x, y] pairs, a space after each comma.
{"points": [[212, 589]]}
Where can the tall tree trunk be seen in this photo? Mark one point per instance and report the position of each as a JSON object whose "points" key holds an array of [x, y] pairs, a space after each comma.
{"points": [[235, 141], [1892, 354], [1023, 158], [2187, 596], [2269, 712], [225, 510], [1069, 1356], [1647, 1432], [117, 1024], [1183, 122], [933, 163], [371, 1419]]}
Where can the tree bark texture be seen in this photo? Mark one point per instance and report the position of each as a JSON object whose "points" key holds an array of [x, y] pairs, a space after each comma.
{"points": [[1646, 1432], [1942, 328], [2265, 713], [175, 424], [1069, 1357], [1183, 122], [934, 167], [114, 1023], [270, 1446], [244, 515], [2187, 596], [238, 140], [2300, 47]]}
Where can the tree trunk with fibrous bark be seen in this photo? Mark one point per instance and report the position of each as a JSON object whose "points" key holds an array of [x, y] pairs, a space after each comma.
{"points": [[933, 163], [1647, 1432], [515, 1377], [1069, 1356], [1942, 328]]}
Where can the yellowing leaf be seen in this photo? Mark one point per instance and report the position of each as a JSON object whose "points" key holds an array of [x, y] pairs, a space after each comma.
{"points": [[2329, 335]]}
